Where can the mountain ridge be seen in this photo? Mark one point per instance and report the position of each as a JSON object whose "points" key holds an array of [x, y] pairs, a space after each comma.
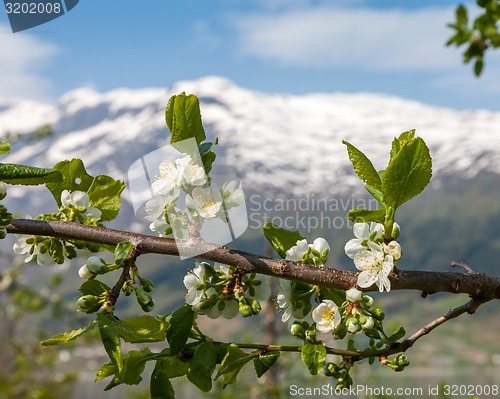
{"points": [[278, 143]]}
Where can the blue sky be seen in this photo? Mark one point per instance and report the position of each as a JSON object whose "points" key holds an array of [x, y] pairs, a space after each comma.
{"points": [[286, 46]]}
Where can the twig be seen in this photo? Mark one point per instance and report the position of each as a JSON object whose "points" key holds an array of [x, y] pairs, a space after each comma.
{"points": [[469, 307], [464, 265], [475, 285]]}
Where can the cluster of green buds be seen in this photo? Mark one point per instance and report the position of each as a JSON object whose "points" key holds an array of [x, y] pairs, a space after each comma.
{"points": [[397, 364], [5, 215], [220, 290], [141, 290], [340, 372], [357, 314]]}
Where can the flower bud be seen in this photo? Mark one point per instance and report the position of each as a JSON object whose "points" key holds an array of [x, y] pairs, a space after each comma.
{"points": [[255, 305], [146, 284], [297, 330], [367, 301], [378, 314], [89, 303], [311, 335], [85, 273], [353, 295], [96, 265], [3, 232], [245, 309], [396, 231], [352, 325], [368, 324]]}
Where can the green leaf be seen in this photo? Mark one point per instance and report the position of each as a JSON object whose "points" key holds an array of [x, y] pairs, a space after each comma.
{"points": [[399, 142], [478, 66], [133, 366], [314, 357], [64, 338], [183, 118], [105, 371], [93, 287], [110, 338], [232, 363], [281, 240], [367, 215], [202, 366], [28, 175], [74, 177], [122, 251], [180, 326], [376, 193], [160, 386], [207, 155], [172, 366], [141, 329], [104, 193], [265, 361], [396, 335], [363, 167], [407, 174], [461, 14], [4, 147]]}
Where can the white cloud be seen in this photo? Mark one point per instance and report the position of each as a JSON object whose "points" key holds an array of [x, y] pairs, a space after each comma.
{"points": [[21, 57], [369, 39]]}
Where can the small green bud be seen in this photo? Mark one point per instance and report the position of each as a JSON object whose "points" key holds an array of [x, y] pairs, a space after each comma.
{"points": [[96, 265], [149, 306], [89, 303], [146, 284], [245, 308], [367, 301], [143, 298], [378, 314], [310, 335], [396, 231], [297, 330], [255, 305], [3, 232]]}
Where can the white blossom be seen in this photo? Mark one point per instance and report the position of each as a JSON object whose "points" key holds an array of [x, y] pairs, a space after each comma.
{"points": [[393, 249], [32, 250], [284, 300], [364, 234], [205, 202], [375, 267], [326, 315], [232, 194], [320, 245], [194, 174], [297, 252], [80, 200], [192, 281]]}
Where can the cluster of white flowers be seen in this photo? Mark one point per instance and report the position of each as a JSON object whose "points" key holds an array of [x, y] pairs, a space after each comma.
{"points": [[74, 208], [315, 253], [372, 256], [203, 202], [216, 291], [352, 316]]}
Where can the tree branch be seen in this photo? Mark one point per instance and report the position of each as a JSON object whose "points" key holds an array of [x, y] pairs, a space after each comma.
{"points": [[476, 285]]}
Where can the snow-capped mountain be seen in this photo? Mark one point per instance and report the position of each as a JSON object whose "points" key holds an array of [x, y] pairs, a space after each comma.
{"points": [[280, 142]]}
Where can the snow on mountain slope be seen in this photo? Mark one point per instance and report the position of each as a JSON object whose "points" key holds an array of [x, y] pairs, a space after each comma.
{"points": [[283, 143]]}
